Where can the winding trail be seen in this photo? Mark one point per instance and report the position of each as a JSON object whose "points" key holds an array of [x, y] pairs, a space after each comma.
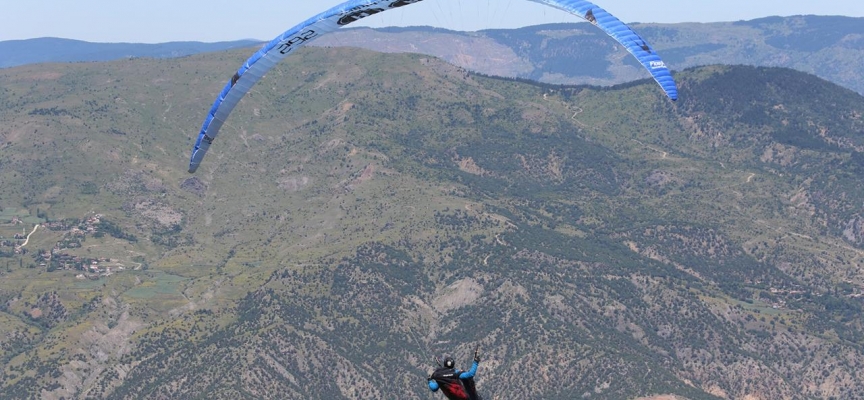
{"points": [[579, 111], [28, 236], [665, 154]]}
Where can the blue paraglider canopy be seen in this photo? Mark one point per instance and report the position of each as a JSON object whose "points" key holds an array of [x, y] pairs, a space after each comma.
{"points": [[353, 10]]}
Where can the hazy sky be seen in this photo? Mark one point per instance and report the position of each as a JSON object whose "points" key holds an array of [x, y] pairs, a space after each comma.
{"points": [[156, 21]]}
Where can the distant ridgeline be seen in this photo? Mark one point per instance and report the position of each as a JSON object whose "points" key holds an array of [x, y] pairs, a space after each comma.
{"points": [[33, 51], [830, 47]]}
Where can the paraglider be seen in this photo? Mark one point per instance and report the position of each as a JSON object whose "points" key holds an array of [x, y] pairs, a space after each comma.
{"points": [[353, 10], [453, 382]]}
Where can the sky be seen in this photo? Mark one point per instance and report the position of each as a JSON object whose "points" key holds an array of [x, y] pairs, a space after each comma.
{"points": [[156, 21]]}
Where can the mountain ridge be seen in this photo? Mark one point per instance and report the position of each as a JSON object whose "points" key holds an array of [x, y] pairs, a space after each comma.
{"points": [[50, 49], [565, 53]]}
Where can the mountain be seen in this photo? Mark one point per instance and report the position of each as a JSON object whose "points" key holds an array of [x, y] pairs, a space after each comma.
{"points": [[33, 51], [831, 47], [362, 212]]}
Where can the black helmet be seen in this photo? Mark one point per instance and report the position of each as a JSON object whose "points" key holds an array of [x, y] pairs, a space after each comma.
{"points": [[449, 362]]}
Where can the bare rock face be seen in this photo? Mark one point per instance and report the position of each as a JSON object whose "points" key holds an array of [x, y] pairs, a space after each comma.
{"points": [[660, 178], [462, 293], [293, 183]]}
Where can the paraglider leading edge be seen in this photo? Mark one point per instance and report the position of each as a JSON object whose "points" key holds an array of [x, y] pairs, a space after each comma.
{"points": [[353, 10]]}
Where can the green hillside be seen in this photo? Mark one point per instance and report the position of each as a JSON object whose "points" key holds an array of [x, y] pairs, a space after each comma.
{"points": [[362, 212]]}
